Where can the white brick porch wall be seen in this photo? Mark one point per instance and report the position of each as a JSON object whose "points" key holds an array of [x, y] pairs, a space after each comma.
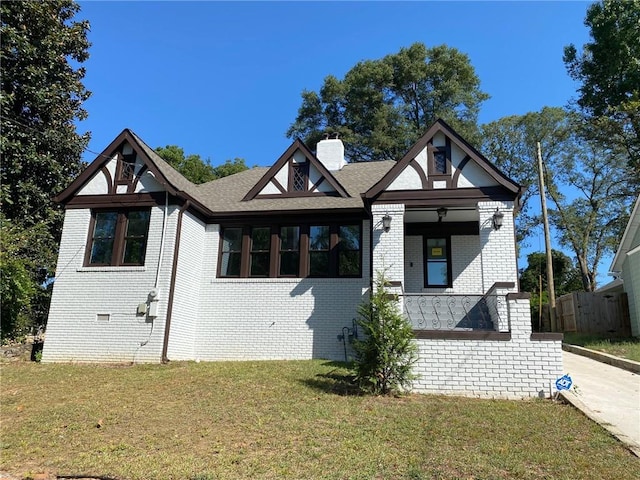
{"points": [[74, 334], [388, 247], [272, 318], [498, 247], [517, 368]]}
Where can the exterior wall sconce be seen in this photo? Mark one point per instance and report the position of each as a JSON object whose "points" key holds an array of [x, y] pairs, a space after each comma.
{"points": [[386, 222], [442, 212], [498, 216]]}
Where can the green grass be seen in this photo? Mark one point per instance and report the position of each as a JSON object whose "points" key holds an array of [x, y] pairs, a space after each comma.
{"points": [[628, 348], [203, 421]]}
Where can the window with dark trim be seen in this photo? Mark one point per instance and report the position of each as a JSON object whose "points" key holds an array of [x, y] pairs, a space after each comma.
{"points": [[319, 250], [330, 250], [299, 177], [127, 167], [289, 251], [231, 252], [118, 237], [260, 251], [437, 268]]}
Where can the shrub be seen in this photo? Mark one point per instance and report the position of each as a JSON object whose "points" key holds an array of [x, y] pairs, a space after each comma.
{"points": [[386, 354]]}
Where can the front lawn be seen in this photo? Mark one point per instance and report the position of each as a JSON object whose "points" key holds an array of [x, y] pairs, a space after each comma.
{"points": [[203, 421], [628, 348]]}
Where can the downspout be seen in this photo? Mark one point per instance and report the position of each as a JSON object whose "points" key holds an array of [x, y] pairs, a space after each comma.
{"points": [[172, 286]]}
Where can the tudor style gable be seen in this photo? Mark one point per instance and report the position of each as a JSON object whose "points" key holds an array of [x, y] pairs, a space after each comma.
{"points": [[442, 165], [298, 172]]}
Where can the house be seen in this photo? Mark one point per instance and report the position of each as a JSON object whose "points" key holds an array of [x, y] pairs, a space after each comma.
{"points": [[626, 267], [272, 263]]}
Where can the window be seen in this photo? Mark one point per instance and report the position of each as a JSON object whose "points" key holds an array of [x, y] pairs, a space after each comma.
{"points": [[438, 262], [299, 176], [118, 237], [289, 251], [440, 161], [304, 250], [128, 166], [260, 251], [349, 250], [319, 250], [231, 252]]}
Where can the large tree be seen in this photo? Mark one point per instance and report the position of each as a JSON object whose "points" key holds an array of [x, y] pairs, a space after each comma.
{"points": [[381, 107], [510, 143], [608, 69], [41, 100], [194, 168]]}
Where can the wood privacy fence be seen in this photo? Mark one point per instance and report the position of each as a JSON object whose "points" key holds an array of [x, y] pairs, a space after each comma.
{"points": [[589, 312]]}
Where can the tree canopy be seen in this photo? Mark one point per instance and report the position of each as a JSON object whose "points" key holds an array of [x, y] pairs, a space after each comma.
{"points": [[608, 69], [194, 168], [381, 107], [41, 100]]}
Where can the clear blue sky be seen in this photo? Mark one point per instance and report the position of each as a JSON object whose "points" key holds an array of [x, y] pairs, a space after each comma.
{"points": [[223, 79]]}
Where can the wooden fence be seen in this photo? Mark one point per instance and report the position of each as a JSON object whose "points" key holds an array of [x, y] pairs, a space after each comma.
{"points": [[589, 312]]}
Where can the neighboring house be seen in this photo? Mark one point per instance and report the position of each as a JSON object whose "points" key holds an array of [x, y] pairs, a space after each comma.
{"points": [[272, 263], [626, 267]]}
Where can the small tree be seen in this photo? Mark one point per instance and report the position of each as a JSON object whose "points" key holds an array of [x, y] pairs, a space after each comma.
{"points": [[388, 351]]}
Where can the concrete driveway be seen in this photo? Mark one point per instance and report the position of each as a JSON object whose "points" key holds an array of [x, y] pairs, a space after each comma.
{"points": [[606, 394]]}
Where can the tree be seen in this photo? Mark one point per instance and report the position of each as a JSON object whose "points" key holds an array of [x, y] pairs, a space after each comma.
{"points": [[381, 107], [609, 70], [194, 168], [388, 351], [592, 194], [41, 100], [510, 143]]}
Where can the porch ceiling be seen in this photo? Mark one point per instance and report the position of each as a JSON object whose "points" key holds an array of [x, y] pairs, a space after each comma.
{"points": [[429, 215]]}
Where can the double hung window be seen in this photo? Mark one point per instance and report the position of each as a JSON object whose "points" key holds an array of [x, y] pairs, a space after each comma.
{"points": [[118, 238]]}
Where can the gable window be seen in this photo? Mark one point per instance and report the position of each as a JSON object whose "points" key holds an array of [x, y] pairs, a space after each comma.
{"points": [[331, 250], [118, 237], [440, 161], [260, 251], [299, 177], [438, 262], [127, 166]]}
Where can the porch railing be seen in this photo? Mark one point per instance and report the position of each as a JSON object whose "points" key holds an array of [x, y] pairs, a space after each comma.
{"points": [[427, 311]]}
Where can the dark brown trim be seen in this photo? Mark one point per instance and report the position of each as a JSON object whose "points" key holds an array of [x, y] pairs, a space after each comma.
{"points": [[247, 217], [456, 176], [172, 285], [136, 180], [442, 228], [278, 185], [298, 194], [423, 177], [542, 336], [462, 335], [121, 200], [452, 196], [518, 296], [316, 185], [110, 182], [440, 125], [284, 159]]}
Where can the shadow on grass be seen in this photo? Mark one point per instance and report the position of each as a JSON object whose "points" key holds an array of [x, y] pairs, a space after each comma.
{"points": [[339, 381]]}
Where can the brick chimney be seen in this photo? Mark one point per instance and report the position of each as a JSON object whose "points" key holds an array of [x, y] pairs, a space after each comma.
{"points": [[330, 152]]}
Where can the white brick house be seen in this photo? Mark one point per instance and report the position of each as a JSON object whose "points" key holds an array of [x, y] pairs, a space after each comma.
{"points": [[272, 263]]}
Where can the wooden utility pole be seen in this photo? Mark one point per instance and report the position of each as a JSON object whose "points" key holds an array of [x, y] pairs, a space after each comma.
{"points": [[547, 243]]}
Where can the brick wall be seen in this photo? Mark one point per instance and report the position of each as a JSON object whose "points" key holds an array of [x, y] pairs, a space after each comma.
{"points": [[273, 318], [74, 330], [514, 368]]}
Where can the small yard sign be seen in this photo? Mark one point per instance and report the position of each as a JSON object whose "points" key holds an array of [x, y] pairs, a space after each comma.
{"points": [[564, 382]]}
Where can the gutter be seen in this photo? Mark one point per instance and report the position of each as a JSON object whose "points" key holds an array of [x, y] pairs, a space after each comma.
{"points": [[172, 286]]}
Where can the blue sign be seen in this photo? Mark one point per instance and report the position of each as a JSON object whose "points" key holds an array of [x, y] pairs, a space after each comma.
{"points": [[564, 382]]}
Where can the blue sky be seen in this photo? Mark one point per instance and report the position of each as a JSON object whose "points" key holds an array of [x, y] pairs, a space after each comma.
{"points": [[223, 79]]}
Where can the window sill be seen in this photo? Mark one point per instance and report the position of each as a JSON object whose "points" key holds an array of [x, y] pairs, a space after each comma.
{"points": [[111, 268]]}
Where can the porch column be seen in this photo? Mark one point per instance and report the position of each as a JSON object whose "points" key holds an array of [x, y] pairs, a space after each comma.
{"points": [[388, 247], [498, 247]]}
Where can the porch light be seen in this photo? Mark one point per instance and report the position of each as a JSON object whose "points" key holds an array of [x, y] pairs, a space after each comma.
{"points": [[442, 212], [498, 216], [386, 222]]}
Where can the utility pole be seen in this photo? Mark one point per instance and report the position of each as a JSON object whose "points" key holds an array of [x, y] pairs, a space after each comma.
{"points": [[547, 243]]}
